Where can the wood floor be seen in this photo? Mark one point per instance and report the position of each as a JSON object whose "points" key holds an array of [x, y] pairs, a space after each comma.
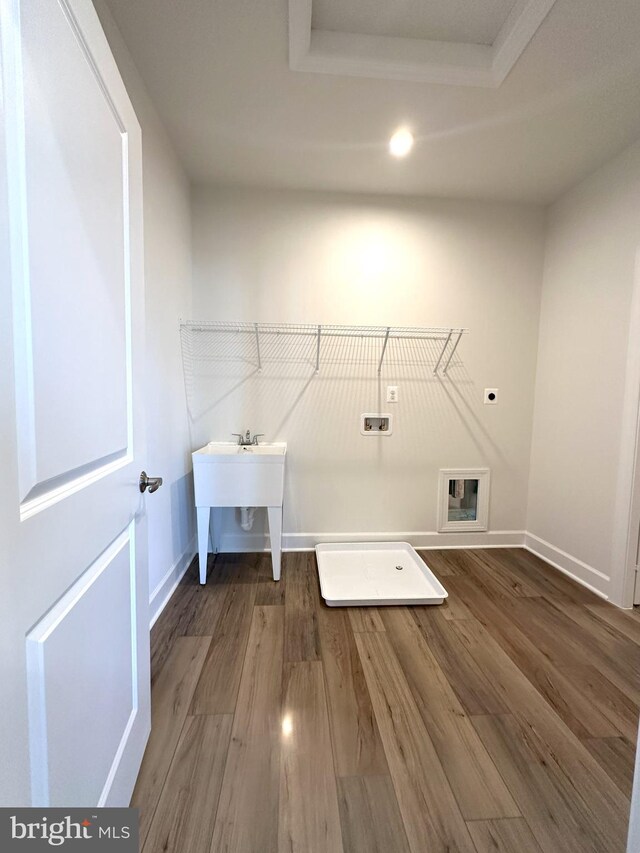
{"points": [[503, 720]]}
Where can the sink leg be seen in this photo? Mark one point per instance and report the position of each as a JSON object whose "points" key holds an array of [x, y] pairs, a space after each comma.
{"points": [[275, 534], [202, 517], [216, 524]]}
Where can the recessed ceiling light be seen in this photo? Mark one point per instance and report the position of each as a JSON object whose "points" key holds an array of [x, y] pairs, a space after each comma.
{"points": [[401, 142]]}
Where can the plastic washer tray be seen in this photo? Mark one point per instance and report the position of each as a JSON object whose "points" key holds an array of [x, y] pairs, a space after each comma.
{"points": [[375, 573]]}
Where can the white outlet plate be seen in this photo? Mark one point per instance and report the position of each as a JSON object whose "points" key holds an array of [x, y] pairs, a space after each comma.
{"points": [[392, 393], [491, 396]]}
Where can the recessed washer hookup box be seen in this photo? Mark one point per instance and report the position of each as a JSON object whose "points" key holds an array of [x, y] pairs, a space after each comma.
{"points": [[375, 573]]}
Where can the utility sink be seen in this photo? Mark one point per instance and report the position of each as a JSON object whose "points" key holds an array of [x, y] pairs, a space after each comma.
{"points": [[229, 448], [227, 474]]}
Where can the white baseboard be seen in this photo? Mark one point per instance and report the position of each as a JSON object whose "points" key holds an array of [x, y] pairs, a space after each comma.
{"points": [[470, 540], [577, 570], [256, 542], [167, 586]]}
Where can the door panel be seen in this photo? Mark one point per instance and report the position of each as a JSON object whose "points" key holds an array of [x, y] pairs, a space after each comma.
{"points": [[84, 696], [74, 629], [75, 212]]}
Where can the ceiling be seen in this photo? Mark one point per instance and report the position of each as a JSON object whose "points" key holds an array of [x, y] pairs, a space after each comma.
{"points": [[440, 20], [218, 72], [476, 46]]}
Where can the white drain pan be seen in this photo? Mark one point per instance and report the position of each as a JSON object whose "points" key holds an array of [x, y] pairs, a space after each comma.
{"points": [[375, 573]]}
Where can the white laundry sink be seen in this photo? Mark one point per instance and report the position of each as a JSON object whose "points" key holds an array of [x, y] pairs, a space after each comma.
{"points": [[226, 474], [232, 448]]}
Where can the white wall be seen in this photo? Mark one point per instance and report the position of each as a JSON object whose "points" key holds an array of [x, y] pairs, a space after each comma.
{"points": [[586, 399], [167, 241], [315, 258]]}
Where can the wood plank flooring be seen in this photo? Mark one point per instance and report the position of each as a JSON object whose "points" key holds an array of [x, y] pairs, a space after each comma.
{"points": [[504, 720]]}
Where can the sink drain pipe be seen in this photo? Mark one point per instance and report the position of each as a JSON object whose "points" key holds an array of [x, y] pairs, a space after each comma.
{"points": [[247, 514]]}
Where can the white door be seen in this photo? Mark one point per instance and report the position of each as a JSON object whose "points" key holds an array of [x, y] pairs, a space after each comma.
{"points": [[633, 542], [636, 568], [74, 695]]}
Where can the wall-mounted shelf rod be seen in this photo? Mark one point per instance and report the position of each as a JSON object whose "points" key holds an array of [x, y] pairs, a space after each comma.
{"points": [[395, 332], [318, 350], [384, 348], [455, 347], [442, 352], [258, 346]]}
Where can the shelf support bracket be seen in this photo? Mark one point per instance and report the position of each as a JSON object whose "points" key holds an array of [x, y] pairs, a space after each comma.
{"points": [[455, 347], [444, 349], [384, 347], [318, 350], [255, 325]]}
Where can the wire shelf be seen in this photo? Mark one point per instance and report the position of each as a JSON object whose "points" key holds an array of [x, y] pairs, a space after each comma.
{"points": [[262, 343]]}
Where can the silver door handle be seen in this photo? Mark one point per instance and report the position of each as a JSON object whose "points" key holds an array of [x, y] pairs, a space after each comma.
{"points": [[151, 483]]}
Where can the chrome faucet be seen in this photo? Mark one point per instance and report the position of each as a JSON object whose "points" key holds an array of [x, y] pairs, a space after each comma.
{"points": [[246, 440]]}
